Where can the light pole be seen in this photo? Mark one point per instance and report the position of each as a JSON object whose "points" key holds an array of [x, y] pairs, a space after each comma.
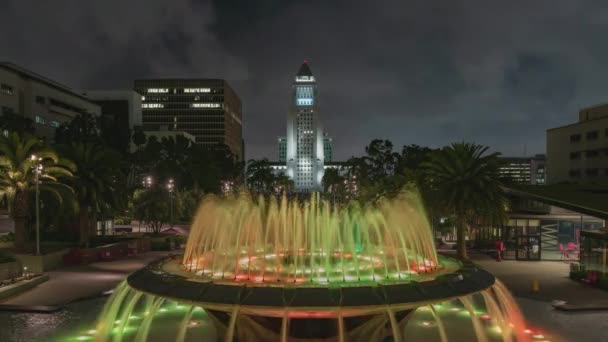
{"points": [[37, 171], [170, 188], [147, 182]]}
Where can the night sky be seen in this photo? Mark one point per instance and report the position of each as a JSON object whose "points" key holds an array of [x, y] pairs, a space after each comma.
{"points": [[415, 72]]}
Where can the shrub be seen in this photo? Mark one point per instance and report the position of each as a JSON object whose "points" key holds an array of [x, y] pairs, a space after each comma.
{"points": [[578, 275], [160, 245]]}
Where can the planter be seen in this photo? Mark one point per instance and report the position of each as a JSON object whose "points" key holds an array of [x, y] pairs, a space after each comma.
{"points": [[22, 286], [9, 244], [42, 263], [9, 270]]}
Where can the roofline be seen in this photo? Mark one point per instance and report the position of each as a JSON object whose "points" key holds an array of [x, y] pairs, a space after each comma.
{"points": [[23, 72], [565, 205], [578, 123]]}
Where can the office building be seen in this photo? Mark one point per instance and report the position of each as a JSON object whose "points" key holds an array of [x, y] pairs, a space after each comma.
{"points": [[524, 170], [579, 152], [123, 109], [47, 103], [327, 149], [305, 152], [208, 109]]}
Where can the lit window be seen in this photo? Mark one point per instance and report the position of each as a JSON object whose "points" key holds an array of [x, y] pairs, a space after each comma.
{"points": [[54, 124], [206, 105], [158, 90], [40, 120], [197, 90], [152, 105]]}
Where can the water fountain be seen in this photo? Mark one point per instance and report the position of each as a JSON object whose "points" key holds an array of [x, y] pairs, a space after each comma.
{"points": [[278, 270]]}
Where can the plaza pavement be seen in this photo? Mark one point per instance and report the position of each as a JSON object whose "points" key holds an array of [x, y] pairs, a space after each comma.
{"points": [[83, 281], [552, 276]]}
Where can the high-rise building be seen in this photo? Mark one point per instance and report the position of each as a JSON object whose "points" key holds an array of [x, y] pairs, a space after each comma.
{"points": [[524, 170], [208, 109], [579, 152], [282, 147], [47, 103], [305, 152], [328, 149]]}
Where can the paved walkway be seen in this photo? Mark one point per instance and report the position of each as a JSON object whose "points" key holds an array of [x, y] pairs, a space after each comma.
{"points": [[76, 282], [552, 276]]}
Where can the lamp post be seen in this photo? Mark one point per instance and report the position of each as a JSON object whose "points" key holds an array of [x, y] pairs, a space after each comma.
{"points": [[147, 182], [170, 188], [37, 171]]}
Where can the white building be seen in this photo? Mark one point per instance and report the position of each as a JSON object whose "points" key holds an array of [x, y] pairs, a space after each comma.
{"points": [[304, 146]]}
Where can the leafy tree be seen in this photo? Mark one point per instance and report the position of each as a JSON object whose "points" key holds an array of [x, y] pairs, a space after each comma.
{"points": [[17, 177], [332, 179], [468, 181], [153, 208], [82, 128], [260, 176]]}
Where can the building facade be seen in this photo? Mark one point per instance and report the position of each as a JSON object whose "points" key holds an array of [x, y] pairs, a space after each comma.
{"points": [[208, 109], [327, 149], [524, 170], [579, 152], [304, 153], [123, 108], [47, 103]]}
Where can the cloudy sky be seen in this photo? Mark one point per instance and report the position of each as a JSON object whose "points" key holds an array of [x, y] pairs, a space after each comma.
{"points": [[415, 72]]}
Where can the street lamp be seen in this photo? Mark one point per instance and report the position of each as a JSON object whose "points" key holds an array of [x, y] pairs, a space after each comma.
{"points": [[170, 188], [37, 167], [147, 182]]}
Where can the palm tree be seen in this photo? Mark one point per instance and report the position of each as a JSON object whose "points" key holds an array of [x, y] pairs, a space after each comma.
{"points": [[467, 180], [18, 177], [99, 182]]}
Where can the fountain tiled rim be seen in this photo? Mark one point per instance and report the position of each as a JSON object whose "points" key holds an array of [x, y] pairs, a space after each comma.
{"points": [[270, 298]]}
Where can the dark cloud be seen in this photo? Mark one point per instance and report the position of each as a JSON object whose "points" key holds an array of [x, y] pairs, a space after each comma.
{"points": [[495, 72]]}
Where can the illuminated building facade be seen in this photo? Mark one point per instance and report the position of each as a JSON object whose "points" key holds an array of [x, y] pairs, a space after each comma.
{"points": [[524, 170], [304, 148], [208, 109]]}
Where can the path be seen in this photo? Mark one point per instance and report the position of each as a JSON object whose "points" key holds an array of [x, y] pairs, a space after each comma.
{"points": [[76, 282], [552, 276]]}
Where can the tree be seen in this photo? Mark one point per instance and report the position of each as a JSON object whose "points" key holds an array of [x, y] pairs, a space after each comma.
{"points": [[468, 181], [99, 182], [82, 128], [17, 177], [259, 175], [153, 208], [332, 179]]}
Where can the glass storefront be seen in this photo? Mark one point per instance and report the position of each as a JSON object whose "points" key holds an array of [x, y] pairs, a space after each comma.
{"points": [[538, 238], [594, 253]]}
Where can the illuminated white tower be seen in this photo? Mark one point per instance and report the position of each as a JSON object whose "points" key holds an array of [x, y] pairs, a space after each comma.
{"points": [[305, 155]]}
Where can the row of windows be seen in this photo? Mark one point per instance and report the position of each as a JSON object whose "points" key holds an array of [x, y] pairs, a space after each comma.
{"points": [[41, 120], [183, 90], [588, 154], [188, 119], [183, 98], [6, 89], [180, 105], [590, 136], [591, 172]]}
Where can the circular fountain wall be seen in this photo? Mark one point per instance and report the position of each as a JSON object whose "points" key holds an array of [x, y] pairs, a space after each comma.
{"points": [[290, 270]]}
